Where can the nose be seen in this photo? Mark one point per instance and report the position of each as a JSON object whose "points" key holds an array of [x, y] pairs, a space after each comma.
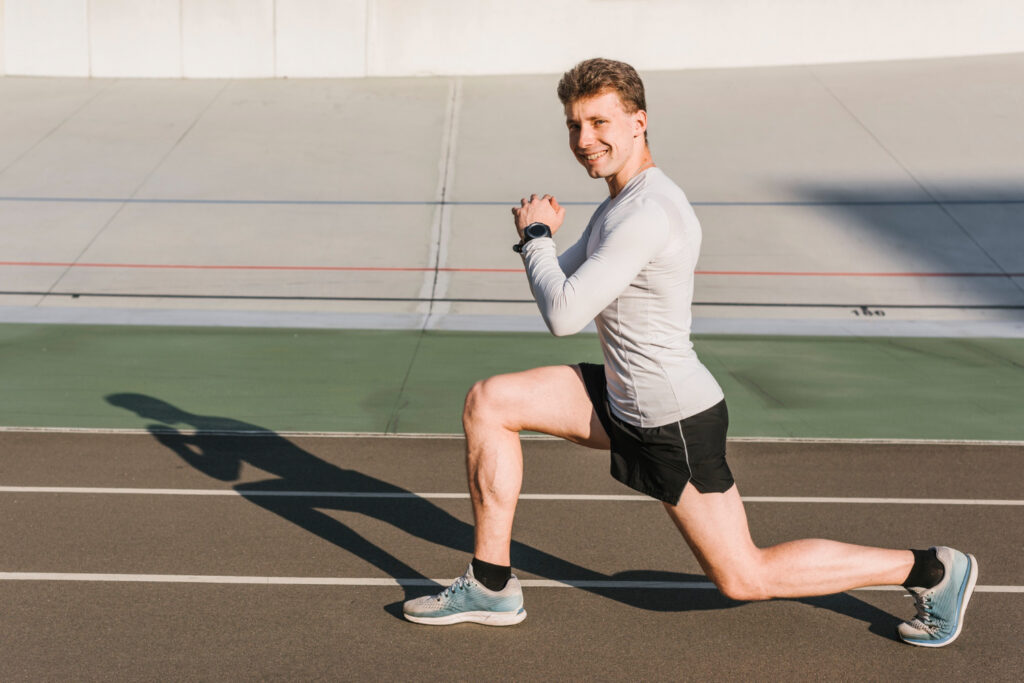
{"points": [[586, 136]]}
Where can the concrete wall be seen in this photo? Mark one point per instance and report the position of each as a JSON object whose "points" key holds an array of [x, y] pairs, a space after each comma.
{"points": [[341, 38]]}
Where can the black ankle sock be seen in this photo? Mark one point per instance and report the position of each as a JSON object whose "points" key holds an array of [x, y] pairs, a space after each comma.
{"points": [[492, 576], [927, 570]]}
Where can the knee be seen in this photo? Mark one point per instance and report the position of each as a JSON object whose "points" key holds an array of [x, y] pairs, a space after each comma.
{"points": [[743, 585], [742, 591], [482, 400]]}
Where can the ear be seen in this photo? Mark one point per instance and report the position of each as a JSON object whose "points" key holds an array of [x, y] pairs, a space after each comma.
{"points": [[639, 122]]}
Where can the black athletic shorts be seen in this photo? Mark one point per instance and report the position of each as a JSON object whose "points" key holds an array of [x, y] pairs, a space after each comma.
{"points": [[658, 461]]}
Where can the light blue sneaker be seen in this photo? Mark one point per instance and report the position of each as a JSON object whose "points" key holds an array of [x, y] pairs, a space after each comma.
{"points": [[940, 610], [467, 600]]}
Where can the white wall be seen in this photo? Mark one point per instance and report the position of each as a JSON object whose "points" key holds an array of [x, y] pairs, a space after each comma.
{"points": [[135, 38], [44, 37], [321, 38], [227, 38], [340, 38], [485, 36]]}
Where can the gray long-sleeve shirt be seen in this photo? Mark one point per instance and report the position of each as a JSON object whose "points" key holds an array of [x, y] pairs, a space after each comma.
{"points": [[632, 273]]}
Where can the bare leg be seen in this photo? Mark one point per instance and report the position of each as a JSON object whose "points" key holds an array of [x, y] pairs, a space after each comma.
{"points": [[715, 527], [551, 400]]}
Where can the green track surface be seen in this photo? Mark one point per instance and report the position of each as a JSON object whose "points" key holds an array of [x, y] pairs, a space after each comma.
{"points": [[386, 381]]}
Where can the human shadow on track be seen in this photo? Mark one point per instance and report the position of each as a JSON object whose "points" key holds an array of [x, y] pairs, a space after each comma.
{"points": [[220, 446]]}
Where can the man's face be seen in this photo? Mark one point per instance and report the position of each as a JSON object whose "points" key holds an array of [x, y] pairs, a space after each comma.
{"points": [[603, 136]]}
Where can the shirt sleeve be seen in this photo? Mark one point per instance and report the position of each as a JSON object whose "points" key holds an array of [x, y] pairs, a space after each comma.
{"points": [[573, 257], [569, 303]]}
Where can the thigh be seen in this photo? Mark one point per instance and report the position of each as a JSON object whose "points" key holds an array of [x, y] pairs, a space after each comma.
{"points": [[550, 400], [715, 527]]}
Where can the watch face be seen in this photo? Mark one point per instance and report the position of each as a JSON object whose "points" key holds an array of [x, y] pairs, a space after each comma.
{"points": [[535, 230]]}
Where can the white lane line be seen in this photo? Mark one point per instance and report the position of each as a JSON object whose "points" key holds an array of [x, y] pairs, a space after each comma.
{"points": [[429, 583], [115, 431], [881, 501], [226, 492], [371, 495], [873, 441]]}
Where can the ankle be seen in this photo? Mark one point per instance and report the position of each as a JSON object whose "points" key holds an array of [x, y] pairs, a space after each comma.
{"points": [[493, 577], [927, 571]]}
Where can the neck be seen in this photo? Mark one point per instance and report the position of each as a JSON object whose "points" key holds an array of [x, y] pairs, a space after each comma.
{"points": [[622, 178]]}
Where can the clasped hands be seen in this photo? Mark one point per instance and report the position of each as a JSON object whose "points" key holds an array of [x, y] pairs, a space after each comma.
{"points": [[536, 209]]}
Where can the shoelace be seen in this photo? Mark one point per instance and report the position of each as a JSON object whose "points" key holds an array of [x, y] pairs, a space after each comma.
{"points": [[460, 584], [925, 617]]}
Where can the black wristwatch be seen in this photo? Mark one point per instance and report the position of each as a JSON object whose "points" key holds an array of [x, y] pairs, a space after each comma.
{"points": [[532, 232]]}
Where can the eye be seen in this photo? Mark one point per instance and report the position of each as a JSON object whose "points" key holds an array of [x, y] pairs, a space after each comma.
{"points": [[600, 122]]}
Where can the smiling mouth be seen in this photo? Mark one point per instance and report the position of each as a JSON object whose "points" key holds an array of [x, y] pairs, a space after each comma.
{"points": [[595, 155]]}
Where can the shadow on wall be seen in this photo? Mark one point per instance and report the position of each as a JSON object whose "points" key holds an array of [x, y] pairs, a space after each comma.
{"points": [[217, 450], [972, 232]]}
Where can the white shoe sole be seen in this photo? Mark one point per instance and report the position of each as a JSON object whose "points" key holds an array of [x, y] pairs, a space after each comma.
{"points": [[482, 617]]}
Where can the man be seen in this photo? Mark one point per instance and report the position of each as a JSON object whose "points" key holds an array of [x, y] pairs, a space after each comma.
{"points": [[652, 404]]}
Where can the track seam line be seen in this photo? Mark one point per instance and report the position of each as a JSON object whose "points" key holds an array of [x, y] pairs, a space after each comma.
{"points": [[399, 202], [441, 276], [117, 212], [440, 232], [393, 582], [921, 184], [410, 495], [515, 271], [57, 127], [429, 300]]}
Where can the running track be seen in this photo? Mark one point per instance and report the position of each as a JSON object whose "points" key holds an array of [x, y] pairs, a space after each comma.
{"points": [[132, 555]]}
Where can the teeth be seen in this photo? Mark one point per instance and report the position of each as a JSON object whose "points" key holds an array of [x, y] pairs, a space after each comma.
{"points": [[591, 157]]}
